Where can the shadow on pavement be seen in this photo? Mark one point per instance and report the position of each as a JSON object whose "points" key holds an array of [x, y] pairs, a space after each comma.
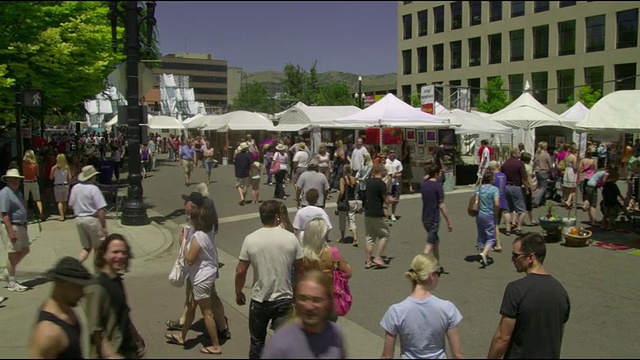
{"points": [[35, 282], [160, 220]]}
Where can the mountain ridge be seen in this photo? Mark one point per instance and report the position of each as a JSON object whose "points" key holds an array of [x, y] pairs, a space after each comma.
{"points": [[275, 77]]}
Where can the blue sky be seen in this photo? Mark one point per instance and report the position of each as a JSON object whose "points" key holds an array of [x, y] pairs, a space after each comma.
{"points": [[348, 36]]}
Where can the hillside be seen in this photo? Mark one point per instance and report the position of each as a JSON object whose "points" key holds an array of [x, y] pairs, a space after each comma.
{"points": [[272, 79]]}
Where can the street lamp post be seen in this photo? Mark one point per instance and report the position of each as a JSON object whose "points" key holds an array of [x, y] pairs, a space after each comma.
{"points": [[134, 211], [359, 96]]}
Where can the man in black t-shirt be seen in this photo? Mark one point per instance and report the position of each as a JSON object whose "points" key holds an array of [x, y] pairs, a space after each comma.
{"points": [[534, 309], [376, 229], [242, 163]]}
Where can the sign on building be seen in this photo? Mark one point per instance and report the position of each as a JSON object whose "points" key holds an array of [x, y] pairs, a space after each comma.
{"points": [[427, 98]]}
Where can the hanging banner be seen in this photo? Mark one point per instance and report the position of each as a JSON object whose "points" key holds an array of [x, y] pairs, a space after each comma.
{"points": [[427, 98]]}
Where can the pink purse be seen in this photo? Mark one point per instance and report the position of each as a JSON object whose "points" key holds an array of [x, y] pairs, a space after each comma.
{"points": [[341, 292]]}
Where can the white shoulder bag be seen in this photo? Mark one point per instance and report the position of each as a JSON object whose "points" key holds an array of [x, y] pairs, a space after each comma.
{"points": [[177, 275]]}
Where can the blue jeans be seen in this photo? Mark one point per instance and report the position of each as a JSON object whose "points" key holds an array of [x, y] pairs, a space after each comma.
{"points": [[208, 166], [543, 182], [260, 313]]}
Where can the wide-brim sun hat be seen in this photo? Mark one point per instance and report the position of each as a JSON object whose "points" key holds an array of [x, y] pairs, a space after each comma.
{"points": [[243, 145], [281, 147], [12, 173], [87, 173]]}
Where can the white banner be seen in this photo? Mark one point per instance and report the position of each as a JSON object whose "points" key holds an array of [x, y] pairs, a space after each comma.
{"points": [[427, 98]]}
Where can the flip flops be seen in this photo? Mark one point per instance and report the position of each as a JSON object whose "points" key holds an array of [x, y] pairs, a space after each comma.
{"points": [[207, 351], [173, 339]]}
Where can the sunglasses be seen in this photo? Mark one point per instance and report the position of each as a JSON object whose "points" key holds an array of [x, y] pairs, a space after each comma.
{"points": [[515, 255], [439, 272]]}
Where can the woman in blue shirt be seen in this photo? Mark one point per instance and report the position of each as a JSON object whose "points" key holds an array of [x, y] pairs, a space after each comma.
{"points": [[499, 181], [489, 210]]}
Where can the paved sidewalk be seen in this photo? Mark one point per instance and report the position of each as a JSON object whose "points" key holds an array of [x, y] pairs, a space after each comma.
{"points": [[54, 239]]}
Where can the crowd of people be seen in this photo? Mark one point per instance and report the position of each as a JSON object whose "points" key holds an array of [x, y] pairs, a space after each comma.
{"points": [[294, 267]]}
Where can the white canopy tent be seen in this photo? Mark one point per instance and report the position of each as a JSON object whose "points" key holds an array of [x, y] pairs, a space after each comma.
{"points": [[578, 112], [237, 120], [392, 112], [194, 122], [301, 116], [526, 114], [163, 122], [471, 124], [114, 121], [439, 108], [617, 111]]}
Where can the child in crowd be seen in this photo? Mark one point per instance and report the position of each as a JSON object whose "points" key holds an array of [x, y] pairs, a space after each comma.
{"points": [[611, 207]]}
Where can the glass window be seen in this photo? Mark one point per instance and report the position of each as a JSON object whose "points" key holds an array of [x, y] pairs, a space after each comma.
{"points": [[454, 97], [540, 6], [438, 57], [475, 11], [406, 26], [595, 33], [495, 48], [199, 67], [438, 14], [625, 76], [438, 91], [517, 8], [539, 80], [419, 87], [567, 38], [422, 59], [406, 94], [496, 10], [422, 23], [627, 29], [566, 3], [456, 54], [474, 52], [209, 91], [456, 15], [541, 42], [516, 85], [474, 90], [209, 79], [566, 81], [406, 62], [516, 39], [594, 77]]}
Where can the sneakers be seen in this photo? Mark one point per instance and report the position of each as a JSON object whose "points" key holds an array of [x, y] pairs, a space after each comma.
{"points": [[17, 287], [393, 218]]}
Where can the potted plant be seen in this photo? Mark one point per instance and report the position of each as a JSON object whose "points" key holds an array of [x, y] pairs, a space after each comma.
{"points": [[551, 224]]}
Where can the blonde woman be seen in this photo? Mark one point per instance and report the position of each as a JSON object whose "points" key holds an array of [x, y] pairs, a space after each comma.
{"points": [[320, 256], [422, 320], [570, 177], [61, 176], [255, 181], [30, 171], [324, 162]]}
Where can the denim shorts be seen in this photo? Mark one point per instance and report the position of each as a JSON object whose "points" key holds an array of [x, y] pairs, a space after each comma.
{"points": [[515, 199], [432, 232]]}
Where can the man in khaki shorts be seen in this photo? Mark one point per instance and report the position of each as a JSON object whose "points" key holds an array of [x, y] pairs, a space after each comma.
{"points": [[88, 203], [14, 232], [376, 229]]}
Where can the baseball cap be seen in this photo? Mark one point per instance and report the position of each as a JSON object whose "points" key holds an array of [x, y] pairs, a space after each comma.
{"points": [[195, 197]]}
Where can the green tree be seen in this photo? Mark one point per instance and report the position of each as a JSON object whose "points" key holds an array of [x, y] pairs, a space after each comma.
{"points": [[415, 100], [497, 98], [312, 87], [61, 47], [334, 94], [587, 96], [294, 81], [254, 97]]}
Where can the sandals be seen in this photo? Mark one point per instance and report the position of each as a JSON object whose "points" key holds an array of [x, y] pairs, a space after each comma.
{"points": [[368, 265], [174, 325], [210, 352], [173, 339], [225, 333], [355, 244]]}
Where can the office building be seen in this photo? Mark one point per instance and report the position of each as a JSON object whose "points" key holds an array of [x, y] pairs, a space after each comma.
{"points": [[207, 76], [557, 46]]}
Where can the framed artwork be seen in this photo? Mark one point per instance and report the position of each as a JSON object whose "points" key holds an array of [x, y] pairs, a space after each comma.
{"points": [[421, 151], [431, 135], [412, 147], [559, 141], [420, 138], [410, 135], [431, 149]]}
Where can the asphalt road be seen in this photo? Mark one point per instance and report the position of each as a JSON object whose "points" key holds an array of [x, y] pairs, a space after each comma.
{"points": [[601, 283]]}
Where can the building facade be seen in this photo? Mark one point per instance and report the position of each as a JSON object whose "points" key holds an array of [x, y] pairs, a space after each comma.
{"points": [[556, 46], [208, 76]]}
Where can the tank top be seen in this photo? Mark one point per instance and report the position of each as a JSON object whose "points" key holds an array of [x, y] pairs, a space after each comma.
{"points": [[74, 349], [60, 176], [350, 190], [323, 160]]}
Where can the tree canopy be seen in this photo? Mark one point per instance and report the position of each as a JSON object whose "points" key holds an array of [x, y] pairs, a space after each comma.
{"points": [[497, 98], [61, 47], [587, 96]]}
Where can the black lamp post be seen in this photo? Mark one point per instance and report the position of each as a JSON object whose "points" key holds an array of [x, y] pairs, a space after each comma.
{"points": [[134, 211], [359, 95]]}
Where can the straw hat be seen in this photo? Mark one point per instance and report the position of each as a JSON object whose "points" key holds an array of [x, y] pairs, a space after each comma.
{"points": [[12, 173], [87, 173], [281, 147]]}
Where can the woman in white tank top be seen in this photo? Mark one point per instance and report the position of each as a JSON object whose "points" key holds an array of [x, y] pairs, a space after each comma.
{"points": [[61, 176]]}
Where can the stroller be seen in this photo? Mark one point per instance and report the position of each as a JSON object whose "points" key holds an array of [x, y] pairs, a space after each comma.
{"points": [[551, 192]]}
